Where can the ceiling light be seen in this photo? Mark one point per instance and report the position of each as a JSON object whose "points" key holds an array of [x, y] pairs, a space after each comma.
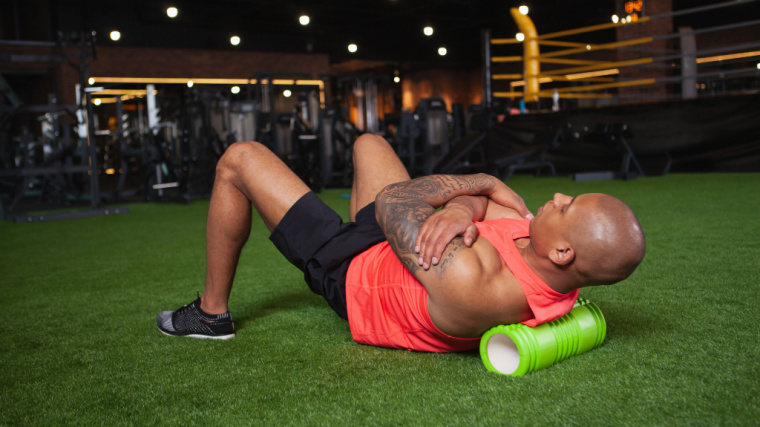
{"points": [[398, 79], [352, 48], [428, 31], [189, 83], [615, 19], [520, 37], [286, 93], [523, 9], [235, 89], [304, 19], [235, 40], [115, 35], [91, 81], [96, 101], [172, 12], [442, 51]]}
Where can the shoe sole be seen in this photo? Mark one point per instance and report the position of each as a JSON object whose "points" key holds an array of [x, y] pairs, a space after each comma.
{"points": [[211, 337]]}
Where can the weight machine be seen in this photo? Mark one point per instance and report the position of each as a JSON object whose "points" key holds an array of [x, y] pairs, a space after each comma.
{"points": [[182, 150], [422, 139], [58, 169]]}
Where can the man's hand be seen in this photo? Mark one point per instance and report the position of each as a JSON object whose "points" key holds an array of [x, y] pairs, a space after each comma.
{"points": [[455, 219], [506, 197]]}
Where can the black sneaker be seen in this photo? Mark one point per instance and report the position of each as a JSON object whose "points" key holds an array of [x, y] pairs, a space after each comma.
{"points": [[191, 321]]}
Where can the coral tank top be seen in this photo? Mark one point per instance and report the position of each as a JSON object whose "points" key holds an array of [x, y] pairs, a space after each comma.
{"points": [[387, 305]]}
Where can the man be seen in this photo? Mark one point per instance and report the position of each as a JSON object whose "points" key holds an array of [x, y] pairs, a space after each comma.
{"points": [[402, 273]]}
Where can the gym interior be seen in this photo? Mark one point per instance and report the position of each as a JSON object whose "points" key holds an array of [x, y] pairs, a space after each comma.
{"points": [[114, 115]]}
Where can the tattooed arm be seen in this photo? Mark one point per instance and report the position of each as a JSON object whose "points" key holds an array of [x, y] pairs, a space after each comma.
{"points": [[403, 208]]}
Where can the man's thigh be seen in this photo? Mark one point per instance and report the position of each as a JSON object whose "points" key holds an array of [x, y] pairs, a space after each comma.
{"points": [[376, 166]]}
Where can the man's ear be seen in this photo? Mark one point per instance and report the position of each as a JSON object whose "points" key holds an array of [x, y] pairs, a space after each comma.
{"points": [[562, 255]]}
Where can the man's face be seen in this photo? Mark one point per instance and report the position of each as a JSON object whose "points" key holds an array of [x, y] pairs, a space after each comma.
{"points": [[553, 213], [559, 215]]}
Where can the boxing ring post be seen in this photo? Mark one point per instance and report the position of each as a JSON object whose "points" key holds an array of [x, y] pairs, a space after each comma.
{"points": [[531, 65], [605, 74]]}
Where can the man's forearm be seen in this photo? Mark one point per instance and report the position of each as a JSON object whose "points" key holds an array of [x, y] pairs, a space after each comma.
{"points": [[437, 190], [475, 206]]}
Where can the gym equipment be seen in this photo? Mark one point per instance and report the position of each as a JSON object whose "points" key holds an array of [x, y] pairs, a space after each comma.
{"points": [[611, 136], [500, 150], [337, 135], [57, 169], [519, 349], [468, 153], [304, 154], [182, 150], [422, 140], [458, 122], [405, 140], [361, 94], [434, 131], [507, 155]]}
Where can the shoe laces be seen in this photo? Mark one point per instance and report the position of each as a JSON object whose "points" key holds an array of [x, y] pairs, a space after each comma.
{"points": [[184, 308]]}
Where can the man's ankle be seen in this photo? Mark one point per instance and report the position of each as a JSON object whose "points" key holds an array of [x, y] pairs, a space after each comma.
{"points": [[212, 309]]}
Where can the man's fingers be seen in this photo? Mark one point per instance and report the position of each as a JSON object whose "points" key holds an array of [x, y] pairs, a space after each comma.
{"points": [[438, 251], [526, 213], [505, 196], [470, 235], [523, 209]]}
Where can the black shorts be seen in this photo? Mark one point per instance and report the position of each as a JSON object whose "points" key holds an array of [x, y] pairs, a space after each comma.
{"points": [[315, 239]]}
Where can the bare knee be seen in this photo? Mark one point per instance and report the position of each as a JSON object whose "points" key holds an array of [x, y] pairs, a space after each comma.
{"points": [[239, 154], [369, 140], [368, 143]]}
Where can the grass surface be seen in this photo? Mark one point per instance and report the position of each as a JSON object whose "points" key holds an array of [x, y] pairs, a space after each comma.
{"points": [[80, 344]]}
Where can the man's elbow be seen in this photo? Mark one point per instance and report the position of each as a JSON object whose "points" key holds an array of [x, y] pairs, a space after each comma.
{"points": [[384, 194], [381, 201]]}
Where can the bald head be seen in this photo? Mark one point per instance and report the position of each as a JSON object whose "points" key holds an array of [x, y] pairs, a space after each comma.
{"points": [[607, 238]]}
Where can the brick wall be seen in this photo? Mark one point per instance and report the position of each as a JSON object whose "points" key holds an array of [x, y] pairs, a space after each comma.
{"points": [[454, 86], [154, 62], [651, 92]]}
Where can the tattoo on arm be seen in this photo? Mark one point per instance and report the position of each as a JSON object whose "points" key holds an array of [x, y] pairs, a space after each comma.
{"points": [[402, 208]]}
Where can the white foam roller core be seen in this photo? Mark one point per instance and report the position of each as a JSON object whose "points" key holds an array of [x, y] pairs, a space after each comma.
{"points": [[502, 353]]}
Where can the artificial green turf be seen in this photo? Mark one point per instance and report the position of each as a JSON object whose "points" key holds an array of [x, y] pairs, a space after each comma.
{"points": [[79, 343]]}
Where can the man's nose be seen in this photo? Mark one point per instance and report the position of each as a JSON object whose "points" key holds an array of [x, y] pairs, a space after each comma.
{"points": [[560, 199]]}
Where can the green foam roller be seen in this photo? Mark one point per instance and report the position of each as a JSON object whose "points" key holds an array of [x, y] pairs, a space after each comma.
{"points": [[519, 349]]}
